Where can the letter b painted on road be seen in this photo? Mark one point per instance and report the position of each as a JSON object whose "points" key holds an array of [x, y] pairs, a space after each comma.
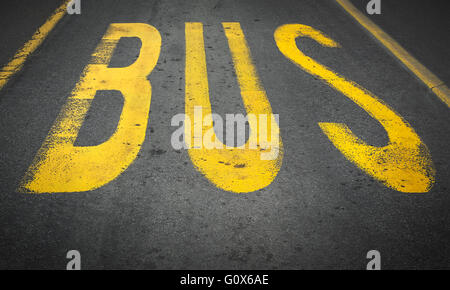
{"points": [[60, 166]]}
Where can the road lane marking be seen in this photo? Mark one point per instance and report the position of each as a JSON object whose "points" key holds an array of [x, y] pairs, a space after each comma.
{"points": [[426, 76], [30, 46], [235, 169], [59, 166], [405, 163]]}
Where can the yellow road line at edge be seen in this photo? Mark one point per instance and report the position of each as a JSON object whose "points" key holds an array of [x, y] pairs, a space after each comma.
{"points": [[431, 80], [16, 63]]}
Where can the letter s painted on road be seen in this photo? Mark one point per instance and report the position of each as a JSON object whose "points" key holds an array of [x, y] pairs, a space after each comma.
{"points": [[404, 164]]}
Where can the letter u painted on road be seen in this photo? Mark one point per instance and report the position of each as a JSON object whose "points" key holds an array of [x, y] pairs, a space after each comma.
{"points": [[237, 169], [60, 166], [404, 164]]}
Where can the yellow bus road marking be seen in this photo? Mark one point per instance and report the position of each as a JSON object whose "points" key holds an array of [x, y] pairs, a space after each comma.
{"points": [[431, 80], [30, 46]]}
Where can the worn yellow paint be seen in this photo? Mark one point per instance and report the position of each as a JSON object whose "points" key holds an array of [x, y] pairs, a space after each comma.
{"points": [[405, 163], [426, 76], [16, 63], [239, 169], [60, 166]]}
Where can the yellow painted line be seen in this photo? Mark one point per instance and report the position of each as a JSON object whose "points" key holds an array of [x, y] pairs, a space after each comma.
{"points": [[30, 46], [431, 80]]}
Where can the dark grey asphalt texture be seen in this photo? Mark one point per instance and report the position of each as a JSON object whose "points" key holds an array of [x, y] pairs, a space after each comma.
{"points": [[321, 212]]}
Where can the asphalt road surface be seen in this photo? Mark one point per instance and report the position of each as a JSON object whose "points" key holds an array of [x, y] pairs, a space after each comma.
{"points": [[321, 211]]}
